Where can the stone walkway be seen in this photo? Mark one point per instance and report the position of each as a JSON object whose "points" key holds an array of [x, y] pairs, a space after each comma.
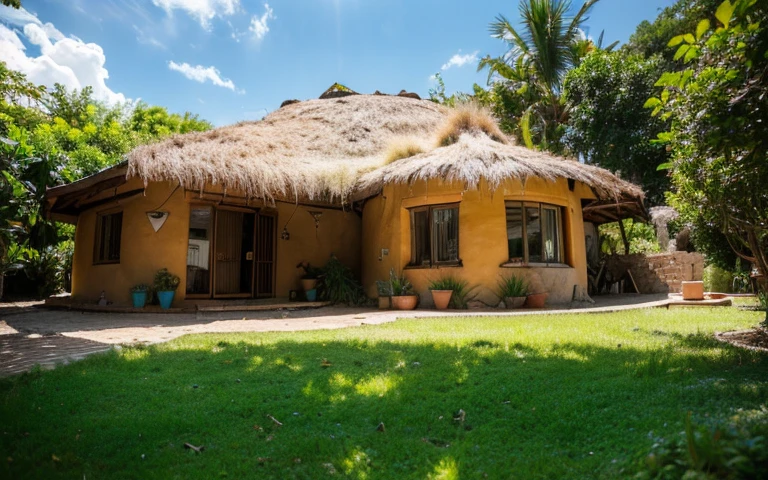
{"points": [[38, 336]]}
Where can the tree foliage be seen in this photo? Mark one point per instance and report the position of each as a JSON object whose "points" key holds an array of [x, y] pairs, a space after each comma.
{"points": [[548, 43], [608, 124], [718, 110], [56, 136]]}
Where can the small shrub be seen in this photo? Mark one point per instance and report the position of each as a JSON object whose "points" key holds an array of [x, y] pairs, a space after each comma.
{"points": [[735, 451], [140, 288], [399, 285], [462, 292], [468, 118], [401, 148], [717, 280], [166, 281], [511, 286], [340, 284]]}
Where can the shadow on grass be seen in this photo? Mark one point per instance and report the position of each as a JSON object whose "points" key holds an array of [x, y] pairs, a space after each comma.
{"points": [[452, 410]]}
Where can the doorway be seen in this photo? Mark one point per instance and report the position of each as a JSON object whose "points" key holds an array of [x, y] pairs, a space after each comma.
{"points": [[241, 246]]}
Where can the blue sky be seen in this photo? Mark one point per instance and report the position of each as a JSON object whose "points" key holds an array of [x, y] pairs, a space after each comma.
{"points": [[231, 60]]}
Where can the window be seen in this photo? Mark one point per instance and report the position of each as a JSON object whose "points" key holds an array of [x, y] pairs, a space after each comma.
{"points": [[109, 228], [534, 233], [435, 235]]}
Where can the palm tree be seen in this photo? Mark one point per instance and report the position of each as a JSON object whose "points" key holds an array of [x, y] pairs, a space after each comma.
{"points": [[547, 45]]}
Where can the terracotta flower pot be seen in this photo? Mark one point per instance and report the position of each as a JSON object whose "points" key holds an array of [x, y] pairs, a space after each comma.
{"points": [[514, 302], [384, 303], [308, 284], [405, 302], [441, 298], [536, 300]]}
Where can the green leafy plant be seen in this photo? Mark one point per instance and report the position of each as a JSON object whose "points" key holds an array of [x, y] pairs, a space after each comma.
{"points": [[310, 272], [165, 281], [140, 288], [399, 285], [384, 288], [340, 284], [511, 286]]}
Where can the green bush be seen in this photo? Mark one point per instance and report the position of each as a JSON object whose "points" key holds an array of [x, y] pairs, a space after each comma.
{"points": [[511, 286], [166, 281], [717, 280], [339, 284], [738, 450]]}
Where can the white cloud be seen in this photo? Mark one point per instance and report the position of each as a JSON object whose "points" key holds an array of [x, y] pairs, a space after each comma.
{"points": [[142, 37], [459, 60], [65, 60], [259, 26], [202, 10], [200, 74]]}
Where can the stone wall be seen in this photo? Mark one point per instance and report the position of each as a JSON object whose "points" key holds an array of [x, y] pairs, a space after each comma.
{"points": [[659, 273]]}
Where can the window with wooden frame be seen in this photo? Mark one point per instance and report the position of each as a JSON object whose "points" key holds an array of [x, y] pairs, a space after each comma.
{"points": [[534, 233], [109, 228], [435, 235]]}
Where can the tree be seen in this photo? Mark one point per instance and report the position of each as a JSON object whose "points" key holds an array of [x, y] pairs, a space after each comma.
{"points": [[548, 44], [608, 124], [718, 109], [12, 3], [651, 39]]}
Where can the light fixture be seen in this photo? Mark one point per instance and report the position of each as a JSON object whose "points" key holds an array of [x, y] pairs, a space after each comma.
{"points": [[285, 235], [157, 218], [316, 215]]}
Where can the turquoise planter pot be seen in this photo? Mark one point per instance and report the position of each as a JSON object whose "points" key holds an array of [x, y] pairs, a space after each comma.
{"points": [[311, 295], [139, 299], [166, 299]]}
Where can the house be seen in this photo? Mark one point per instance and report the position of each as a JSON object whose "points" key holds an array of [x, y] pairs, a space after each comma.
{"points": [[234, 210]]}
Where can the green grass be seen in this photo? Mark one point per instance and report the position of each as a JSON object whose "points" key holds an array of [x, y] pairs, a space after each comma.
{"points": [[571, 396]]}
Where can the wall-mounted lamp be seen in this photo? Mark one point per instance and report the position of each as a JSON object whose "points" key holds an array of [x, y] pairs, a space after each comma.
{"points": [[157, 218], [316, 215], [285, 235]]}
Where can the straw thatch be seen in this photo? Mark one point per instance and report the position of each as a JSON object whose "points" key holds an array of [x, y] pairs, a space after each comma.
{"points": [[336, 149], [475, 157], [314, 149]]}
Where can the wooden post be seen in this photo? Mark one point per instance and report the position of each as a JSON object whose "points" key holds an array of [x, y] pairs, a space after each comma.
{"points": [[624, 237]]}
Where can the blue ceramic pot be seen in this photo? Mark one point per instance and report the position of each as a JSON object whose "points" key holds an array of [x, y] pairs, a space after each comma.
{"points": [[166, 298], [139, 299], [311, 295]]}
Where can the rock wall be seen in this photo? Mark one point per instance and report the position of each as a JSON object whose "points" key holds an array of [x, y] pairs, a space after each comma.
{"points": [[659, 273]]}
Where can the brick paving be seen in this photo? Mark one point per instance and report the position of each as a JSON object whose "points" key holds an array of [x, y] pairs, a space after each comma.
{"points": [[20, 352]]}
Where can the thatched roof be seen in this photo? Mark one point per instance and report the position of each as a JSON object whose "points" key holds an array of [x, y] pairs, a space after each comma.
{"points": [[338, 150], [314, 149], [475, 157]]}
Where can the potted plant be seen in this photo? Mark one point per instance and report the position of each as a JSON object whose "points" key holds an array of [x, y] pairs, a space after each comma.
{"points": [[403, 295], [537, 294], [309, 280], [512, 290], [442, 290], [385, 294], [165, 285], [139, 295]]}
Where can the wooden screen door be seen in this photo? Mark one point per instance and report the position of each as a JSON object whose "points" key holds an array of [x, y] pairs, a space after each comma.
{"points": [[234, 253]]}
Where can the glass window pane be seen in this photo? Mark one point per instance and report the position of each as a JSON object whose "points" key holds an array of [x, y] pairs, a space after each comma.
{"points": [[515, 232], [445, 231], [198, 250], [420, 248], [551, 236], [533, 232]]}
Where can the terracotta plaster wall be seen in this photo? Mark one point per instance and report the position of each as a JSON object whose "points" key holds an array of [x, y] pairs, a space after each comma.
{"points": [[142, 250], [482, 236], [338, 233]]}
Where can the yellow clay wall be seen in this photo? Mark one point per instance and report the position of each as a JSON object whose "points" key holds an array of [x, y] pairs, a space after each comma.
{"points": [[482, 236]]}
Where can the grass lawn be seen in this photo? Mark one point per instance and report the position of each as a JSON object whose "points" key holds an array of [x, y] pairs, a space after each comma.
{"points": [[571, 396]]}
